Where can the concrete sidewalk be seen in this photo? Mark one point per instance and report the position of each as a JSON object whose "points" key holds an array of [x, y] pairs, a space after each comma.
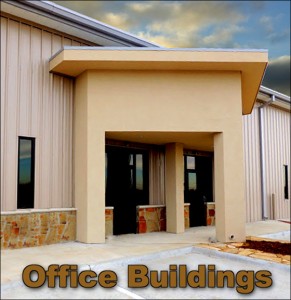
{"points": [[125, 248]]}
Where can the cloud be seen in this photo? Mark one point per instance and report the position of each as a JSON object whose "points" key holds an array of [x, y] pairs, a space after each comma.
{"points": [[89, 8], [170, 23], [257, 5], [222, 37], [140, 7], [183, 24], [277, 75], [202, 24], [121, 21], [277, 37], [267, 23], [268, 26]]}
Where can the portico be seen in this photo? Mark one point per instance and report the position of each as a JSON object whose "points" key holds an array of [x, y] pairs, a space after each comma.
{"points": [[178, 98]]}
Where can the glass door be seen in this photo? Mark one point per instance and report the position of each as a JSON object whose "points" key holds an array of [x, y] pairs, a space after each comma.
{"points": [[197, 187], [126, 185]]}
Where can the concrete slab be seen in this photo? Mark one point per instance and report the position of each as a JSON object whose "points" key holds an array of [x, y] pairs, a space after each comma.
{"points": [[125, 248], [279, 289], [283, 235]]}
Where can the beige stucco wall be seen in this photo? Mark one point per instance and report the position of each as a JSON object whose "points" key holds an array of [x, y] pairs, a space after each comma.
{"points": [[159, 102], [165, 101]]}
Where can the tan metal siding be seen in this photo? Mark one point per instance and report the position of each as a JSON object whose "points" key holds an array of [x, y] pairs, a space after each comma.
{"points": [[252, 166], [38, 104], [277, 146], [3, 106], [276, 133]]}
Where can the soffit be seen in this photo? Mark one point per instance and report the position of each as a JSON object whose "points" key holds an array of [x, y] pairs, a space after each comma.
{"points": [[202, 141]]}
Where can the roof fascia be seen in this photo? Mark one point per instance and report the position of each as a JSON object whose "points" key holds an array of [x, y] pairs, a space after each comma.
{"points": [[80, 25]]}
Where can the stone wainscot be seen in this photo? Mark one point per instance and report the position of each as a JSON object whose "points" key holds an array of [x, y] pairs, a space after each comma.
{"points": [[37, 227]]}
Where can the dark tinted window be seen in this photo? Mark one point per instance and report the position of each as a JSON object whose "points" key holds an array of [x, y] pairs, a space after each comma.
{"points": [[286, 186], [25, 195]]}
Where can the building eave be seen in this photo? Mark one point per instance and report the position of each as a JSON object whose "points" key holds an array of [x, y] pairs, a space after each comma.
{"points": [[280, 100], [51, 15]]}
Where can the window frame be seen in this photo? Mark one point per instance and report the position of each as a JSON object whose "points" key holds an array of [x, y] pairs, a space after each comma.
{"points": [[187, 171], [286, 183], [32, 172]]}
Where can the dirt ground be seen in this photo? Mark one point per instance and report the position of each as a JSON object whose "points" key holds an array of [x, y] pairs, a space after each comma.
{"points": [[268, 246]]}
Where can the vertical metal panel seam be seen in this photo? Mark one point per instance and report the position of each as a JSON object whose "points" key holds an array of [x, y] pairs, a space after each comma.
{"points": [[49, 100], [63, 139], [40, 139], [5, 116], [279, 160], [52, 129], [248, 167], [71, 161], [250, 162], [30, 86], [18, 84]]}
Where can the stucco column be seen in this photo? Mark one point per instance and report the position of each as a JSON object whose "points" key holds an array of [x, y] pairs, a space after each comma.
{"points": [[89, 167], [174, 188], [229, 186]]}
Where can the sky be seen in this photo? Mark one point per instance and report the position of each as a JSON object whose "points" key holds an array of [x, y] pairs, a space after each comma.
{"points": [[205, 24]]}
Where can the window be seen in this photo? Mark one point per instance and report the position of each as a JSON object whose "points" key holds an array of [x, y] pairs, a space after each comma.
{"points": [[286, 187], [139, 171], [136, 171], [190, 173], [127, 181], [190, 162], [25, 193]]}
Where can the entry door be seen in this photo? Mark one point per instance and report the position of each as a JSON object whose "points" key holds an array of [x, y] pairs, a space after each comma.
{"points": [[198, 187], [126, 186]]}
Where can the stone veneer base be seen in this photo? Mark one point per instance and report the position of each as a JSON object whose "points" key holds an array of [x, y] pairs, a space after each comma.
{"points": [[210, 213], [152, 218], [38, 227], [109, 220], [29, 228]]}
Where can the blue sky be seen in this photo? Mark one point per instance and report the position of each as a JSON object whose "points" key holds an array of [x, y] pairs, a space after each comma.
{"points": [[205, 24]]}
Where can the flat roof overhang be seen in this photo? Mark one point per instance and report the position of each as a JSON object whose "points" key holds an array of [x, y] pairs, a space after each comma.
{"points": [[72, 61]]}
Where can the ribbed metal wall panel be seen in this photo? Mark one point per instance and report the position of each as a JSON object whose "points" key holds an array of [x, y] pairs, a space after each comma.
{"points": [[38, 104], [277, 153], [252, 166], [276, 137]]}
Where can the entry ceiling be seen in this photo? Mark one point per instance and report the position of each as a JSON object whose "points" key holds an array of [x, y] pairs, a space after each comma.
{"points": [[202, 141]]}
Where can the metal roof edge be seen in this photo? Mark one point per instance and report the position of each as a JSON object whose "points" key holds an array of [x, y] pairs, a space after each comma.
{"points": [[49, 9], [165, 49], [278, 95]]}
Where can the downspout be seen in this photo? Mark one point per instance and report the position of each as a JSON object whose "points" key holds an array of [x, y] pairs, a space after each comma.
{"points": [[262, 158]]}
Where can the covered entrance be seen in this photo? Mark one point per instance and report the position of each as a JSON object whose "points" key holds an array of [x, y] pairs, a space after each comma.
{"points": [[171, 97], [126, 185]]}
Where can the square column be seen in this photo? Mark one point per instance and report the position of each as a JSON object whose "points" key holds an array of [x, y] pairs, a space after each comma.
{"points": [[229, 187], [174, 179], [89, 168]]}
